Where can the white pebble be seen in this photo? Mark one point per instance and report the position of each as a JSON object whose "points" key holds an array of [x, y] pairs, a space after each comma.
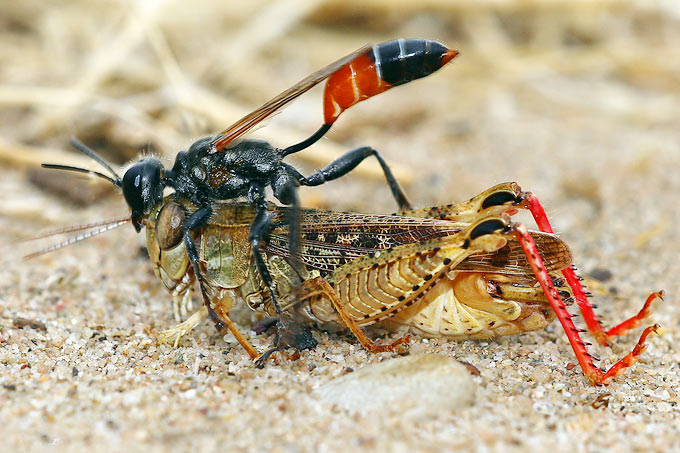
{"points": [[428, 382]]}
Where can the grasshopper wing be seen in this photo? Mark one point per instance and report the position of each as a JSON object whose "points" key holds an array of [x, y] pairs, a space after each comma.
{"points": [[331, 239]]}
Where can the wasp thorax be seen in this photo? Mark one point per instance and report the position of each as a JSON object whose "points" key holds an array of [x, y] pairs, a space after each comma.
{"points": [[170, 225]]}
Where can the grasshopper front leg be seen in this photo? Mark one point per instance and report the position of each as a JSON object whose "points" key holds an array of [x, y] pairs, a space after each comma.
{"points": [[175, 334], [220, 306]]}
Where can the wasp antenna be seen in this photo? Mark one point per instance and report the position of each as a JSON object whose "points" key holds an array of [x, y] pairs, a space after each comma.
{"points": [[115, 182], [73, 240], [81, 227], [83, 148]]}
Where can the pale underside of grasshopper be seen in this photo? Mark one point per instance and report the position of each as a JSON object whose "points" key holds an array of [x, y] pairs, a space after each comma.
{"points": [[459, 271]]}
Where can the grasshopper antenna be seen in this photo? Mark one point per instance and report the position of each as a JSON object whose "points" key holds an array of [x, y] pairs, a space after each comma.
{"points": [[77, 228], [100, 227], [83, 148]]}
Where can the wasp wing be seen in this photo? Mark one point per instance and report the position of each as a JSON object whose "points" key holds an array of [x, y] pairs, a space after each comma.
{"points": [[245, 124], [330, 239]]}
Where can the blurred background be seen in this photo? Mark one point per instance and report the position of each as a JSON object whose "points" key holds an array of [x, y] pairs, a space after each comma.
{"points": [[548, 93], [575, 100]]}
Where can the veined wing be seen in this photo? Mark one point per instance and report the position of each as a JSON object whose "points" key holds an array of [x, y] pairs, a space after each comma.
{"points": [[245, 124], [330, 239]]}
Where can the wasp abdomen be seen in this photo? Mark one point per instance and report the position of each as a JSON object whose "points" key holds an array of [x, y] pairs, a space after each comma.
{"points": [[380, 68], [402, 60]]}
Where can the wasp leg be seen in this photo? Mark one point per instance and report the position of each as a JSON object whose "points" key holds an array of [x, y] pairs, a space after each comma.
{"points": [[285, 185], [263, 325], [593, 373], [347, 162], [258, 233], [197, 220], [262, 359], [529, 201], [221, 319]]}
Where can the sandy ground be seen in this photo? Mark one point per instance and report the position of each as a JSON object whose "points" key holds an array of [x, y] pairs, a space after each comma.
{"points": [[579, 106]]}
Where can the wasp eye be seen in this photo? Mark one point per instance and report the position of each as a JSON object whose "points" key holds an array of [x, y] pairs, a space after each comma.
{"points": [[170, 225]]}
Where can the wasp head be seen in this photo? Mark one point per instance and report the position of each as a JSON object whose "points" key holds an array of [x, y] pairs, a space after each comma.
{"points": [[143, 186]]}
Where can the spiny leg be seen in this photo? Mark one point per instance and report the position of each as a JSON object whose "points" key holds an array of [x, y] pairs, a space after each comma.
{"points": [[529, 201], [221, 320], [633, 322], [593, 373], [347, 162]]}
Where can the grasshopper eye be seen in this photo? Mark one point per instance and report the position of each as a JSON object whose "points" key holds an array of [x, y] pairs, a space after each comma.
{"points": [[498, 199], [488, 227], [170, 226]]}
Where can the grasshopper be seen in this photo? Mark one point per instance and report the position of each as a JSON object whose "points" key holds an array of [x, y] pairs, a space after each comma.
{"points": [[459, 271]]}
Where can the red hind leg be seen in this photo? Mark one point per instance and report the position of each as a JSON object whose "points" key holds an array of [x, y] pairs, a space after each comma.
{"points": [[593, 373], [592, 321]]}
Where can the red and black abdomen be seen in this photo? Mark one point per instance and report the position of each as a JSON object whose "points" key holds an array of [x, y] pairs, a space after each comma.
{"points": [[380, 68]]}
